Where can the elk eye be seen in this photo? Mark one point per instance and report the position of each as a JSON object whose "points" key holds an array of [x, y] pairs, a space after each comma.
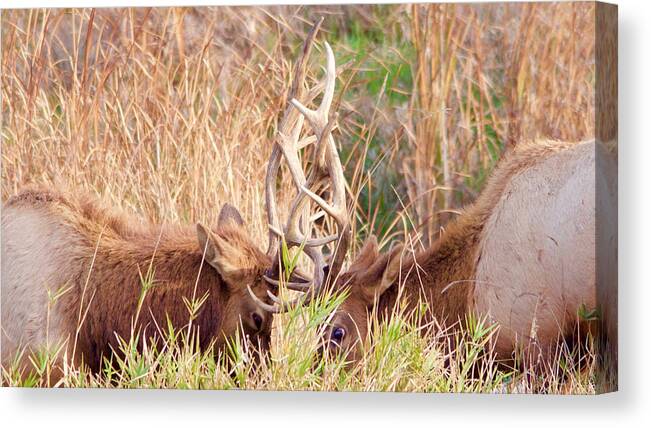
{"points": [[326, 271], [337, 334], [257, 320]]}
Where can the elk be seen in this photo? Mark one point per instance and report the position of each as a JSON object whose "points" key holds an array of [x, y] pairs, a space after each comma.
{"points": [[97, 259], [537, 245]]}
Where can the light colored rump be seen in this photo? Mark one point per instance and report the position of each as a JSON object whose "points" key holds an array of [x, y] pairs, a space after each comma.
{"points": [[39, 254], [536, 265]]}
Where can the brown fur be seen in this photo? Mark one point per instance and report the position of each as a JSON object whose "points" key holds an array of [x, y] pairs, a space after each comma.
{"points": [[101, 257], [445, 274]]}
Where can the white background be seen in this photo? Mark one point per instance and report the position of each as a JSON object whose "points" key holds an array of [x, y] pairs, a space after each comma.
{"points": [[631, 406]]}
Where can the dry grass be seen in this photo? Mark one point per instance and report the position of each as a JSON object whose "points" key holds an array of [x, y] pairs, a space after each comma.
{"points": [[169, 113], [486, 77], [143, 126]]}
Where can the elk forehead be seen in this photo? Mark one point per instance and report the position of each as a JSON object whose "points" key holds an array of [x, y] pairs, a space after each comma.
{"points": [[247, 250]]}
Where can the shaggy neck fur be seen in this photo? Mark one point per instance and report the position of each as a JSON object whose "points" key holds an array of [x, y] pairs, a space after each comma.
{"points": [[171, 270]]}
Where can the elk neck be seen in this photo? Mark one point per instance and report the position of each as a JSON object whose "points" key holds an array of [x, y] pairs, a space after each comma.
{"points": [[444, 273], [164, 267]]}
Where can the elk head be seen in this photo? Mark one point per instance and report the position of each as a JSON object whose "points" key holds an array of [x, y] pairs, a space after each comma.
{"points": [[242, 266], [367, 279]]}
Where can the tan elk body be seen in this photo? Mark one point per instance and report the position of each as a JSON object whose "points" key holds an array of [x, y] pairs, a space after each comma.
{"points": [[524, 255], [98, 260]]}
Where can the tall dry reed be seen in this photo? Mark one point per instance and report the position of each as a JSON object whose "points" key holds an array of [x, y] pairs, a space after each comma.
{"points": [[485, 78]]}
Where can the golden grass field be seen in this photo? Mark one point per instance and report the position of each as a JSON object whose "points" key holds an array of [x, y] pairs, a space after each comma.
{"points": [[169, 113]]}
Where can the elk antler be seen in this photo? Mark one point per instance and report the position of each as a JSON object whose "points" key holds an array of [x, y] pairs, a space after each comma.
{"points": [[297, 231]]}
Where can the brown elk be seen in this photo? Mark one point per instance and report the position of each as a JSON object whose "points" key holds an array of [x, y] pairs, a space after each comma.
{"points": [[538, 245], [98, 260], [95, 260]]}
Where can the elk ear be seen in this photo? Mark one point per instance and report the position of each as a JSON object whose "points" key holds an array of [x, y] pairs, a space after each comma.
{"points": [[229, 215], [392, 271], [367, 255], [222, 255], [383, 274]]}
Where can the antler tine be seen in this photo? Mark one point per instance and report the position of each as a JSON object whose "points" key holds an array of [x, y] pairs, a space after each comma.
{"points": [[319, 265], [278, 306], [285, 146], [297, 286], [319, 118], [265, 306]]}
